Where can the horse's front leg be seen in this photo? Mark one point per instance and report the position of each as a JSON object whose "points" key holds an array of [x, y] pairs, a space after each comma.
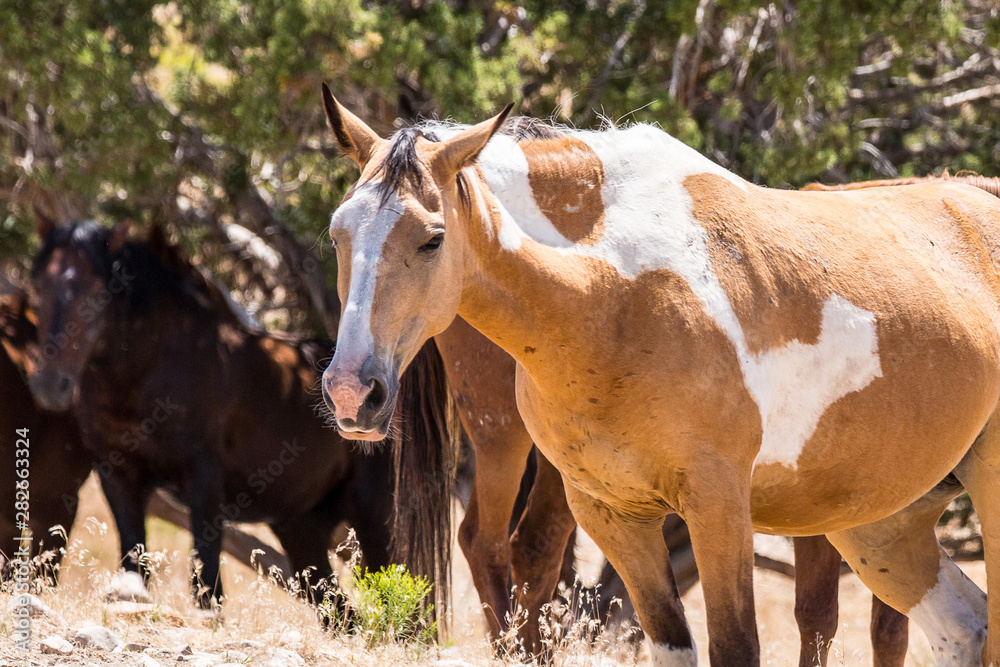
{"points": [[538, 547], [638, 552], [204, 488], [716, 507], [483, 535], [123, 483]]}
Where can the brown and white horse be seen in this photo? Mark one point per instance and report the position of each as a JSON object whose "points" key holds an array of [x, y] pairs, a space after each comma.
{"points": [[789, 362]]}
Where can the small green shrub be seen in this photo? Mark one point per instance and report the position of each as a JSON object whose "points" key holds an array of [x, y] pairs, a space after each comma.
{"points": [[391, 606]]}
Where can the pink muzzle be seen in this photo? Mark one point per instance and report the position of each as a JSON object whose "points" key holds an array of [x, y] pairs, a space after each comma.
{"points": [[348, 395]]}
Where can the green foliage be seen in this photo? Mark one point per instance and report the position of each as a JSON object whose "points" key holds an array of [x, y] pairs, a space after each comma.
{"points": [[171, 112], [392, 606]]}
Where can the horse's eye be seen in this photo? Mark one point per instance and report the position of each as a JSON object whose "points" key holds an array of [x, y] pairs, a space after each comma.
{"points": [[433, 244]]}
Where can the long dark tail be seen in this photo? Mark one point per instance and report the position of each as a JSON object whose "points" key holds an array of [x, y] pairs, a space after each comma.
{"points": [[991, 185], [425, 447]]}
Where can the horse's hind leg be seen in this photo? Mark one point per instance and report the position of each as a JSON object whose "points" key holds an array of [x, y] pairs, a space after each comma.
{"points": [[900, 560], [979, 472], [538, 546], [306, 541], [890, 633], [483, 534], [817, 582], [481, 376]]}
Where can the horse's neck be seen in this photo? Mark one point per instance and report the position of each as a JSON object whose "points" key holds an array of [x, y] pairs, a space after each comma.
{"points": [[516, 299], [135, 339]]}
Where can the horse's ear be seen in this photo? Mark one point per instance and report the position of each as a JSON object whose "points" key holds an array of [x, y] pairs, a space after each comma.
{"points": [[356, 139], [43, 224], [451, 156], [118, 235], [157, 240], [21, 305], [159, 245]]}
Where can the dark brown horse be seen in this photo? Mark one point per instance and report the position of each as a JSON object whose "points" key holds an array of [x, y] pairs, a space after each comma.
{"points": [[57, 463], [175, 391]]}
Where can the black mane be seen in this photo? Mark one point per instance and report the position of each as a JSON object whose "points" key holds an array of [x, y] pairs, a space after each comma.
{"points": [[402, 168]]}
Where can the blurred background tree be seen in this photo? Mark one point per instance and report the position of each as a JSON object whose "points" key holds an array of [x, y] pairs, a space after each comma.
{"points": [[205, 116]]}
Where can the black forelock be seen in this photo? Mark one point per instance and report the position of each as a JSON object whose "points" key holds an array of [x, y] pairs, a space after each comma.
{"points": [[87, 237], [401, 165]]}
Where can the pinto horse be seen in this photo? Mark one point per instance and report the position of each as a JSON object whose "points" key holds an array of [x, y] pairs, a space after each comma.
{"points": [[795, 363], [175, 391], [57, 463]]}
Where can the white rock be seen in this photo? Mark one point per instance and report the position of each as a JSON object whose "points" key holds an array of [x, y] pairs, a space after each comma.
{"points": [[280, 657], [232, 655], [329, 655], [147, 661], [128, 587], [56, 644], [171, 636], [98, 637], [290, 637], [35, 606]]}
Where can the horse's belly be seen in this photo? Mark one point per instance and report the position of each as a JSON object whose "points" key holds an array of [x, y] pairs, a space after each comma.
{"points": [[873, 453]]}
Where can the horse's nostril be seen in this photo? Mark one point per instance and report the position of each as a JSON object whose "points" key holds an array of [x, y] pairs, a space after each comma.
{"points": [[376, 397], [63, 385], [327, 401]]}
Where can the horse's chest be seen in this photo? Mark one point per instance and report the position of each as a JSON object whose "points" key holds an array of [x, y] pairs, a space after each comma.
{"points": [[597, 454]]}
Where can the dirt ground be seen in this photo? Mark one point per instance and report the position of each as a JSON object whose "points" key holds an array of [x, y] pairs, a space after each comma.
{"points": [[264, 626]]}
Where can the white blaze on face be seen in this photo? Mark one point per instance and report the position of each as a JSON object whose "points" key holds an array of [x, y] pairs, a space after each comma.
{"points": [[662, 655], [368, 225], [952, 615], [649, 225]]}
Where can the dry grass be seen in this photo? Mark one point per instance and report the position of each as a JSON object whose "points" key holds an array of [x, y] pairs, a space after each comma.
{"points": [[258, 617]]}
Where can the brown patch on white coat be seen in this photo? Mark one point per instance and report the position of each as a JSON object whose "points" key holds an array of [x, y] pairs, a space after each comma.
{"points": [[566, 177]]}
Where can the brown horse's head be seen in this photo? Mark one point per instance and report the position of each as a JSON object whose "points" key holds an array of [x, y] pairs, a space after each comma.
{"points": [[73, 281], [399, 257]]}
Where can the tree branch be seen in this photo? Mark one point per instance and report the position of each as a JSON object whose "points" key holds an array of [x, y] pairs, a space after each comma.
{"points": [[252, 210]]}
